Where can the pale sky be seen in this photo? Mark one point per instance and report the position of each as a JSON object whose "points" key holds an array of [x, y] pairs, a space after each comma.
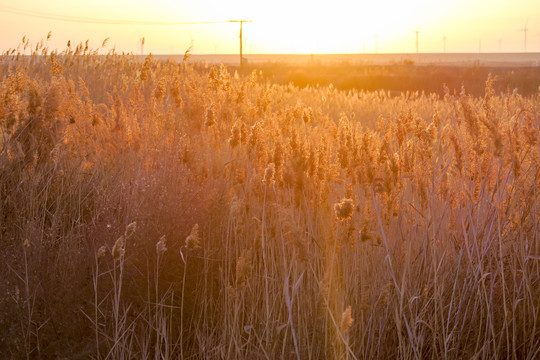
{"points": [[280, 26]]}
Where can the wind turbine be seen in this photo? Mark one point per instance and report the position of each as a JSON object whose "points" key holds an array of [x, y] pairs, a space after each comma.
{"points": [[525, 29], [444, 43], [376, 43], [417, 32]]}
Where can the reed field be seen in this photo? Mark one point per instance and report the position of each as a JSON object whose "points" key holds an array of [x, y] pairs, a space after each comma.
{"points": [[174, 210]]}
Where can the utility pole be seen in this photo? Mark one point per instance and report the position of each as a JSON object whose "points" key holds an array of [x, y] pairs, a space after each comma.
{"points": [[417, 32], [525, 29], [124, 22], [241, 23]]}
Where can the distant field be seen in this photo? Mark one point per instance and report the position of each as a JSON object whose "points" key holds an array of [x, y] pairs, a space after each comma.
{"points": [[397, 73], [401, 78], [177, 210], [456, 59]]}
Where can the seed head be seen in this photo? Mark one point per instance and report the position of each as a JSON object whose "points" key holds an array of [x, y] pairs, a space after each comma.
{"points": [[344, 209], [102, 251], [346, 320], [269, 174], [130, 229], [235, 138], [193, 241], [386, 293], [187, 54], [161, 88], [118, 249], [210, 116], [307, 115], [161, 245], [176, 92]]}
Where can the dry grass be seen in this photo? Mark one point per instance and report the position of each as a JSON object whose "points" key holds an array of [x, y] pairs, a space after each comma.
{"points": [[271, 221]]}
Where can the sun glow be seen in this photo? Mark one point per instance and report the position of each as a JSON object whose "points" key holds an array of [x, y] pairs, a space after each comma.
{"points": [[285, 26], [337, 27]]}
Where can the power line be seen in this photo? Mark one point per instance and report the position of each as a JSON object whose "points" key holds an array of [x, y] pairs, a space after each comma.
{"points": [[50, 16]]}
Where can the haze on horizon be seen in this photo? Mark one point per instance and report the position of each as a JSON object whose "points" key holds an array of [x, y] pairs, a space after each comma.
{"points": [[340, 26]]}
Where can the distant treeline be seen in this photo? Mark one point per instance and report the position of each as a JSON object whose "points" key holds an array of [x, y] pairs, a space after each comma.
{"points": [[404, 77]]}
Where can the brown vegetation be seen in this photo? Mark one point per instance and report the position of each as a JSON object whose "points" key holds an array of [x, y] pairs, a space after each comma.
{"points": [[398, 78], [170, 210]]}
